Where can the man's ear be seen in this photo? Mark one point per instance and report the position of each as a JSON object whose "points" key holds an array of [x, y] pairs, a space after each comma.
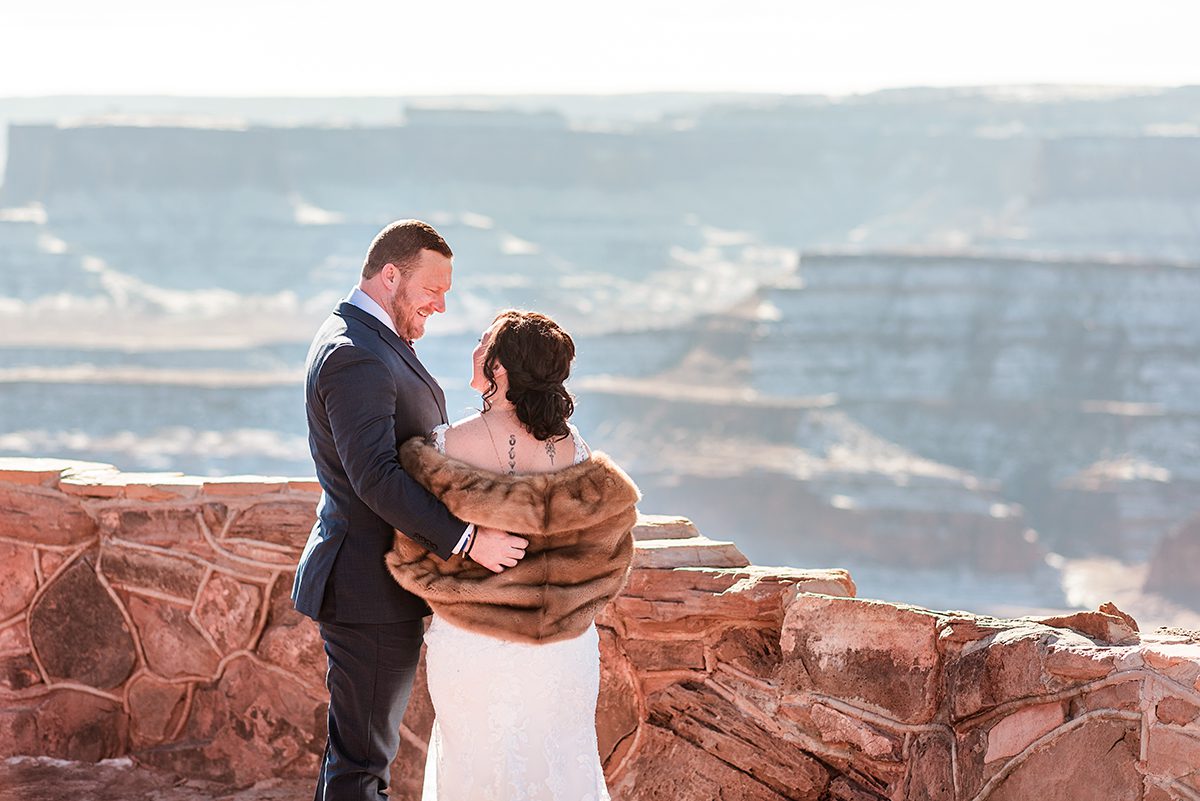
{"points": [[390, 273]]}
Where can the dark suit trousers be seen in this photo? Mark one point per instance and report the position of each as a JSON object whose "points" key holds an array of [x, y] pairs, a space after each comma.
{"points": [[371, 670]]}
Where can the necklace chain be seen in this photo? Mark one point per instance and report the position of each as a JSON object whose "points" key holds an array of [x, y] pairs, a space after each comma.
{"points": [[551, 451], [512, 447]]}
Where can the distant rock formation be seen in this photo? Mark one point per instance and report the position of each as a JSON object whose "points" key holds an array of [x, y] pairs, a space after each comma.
{"points": [[148, 615], [978, 168], [1175, 568], [816, 486], [1062, 387], [994, 286]]}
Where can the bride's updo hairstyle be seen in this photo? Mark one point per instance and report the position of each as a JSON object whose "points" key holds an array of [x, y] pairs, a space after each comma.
{"points": [[537, 355]]}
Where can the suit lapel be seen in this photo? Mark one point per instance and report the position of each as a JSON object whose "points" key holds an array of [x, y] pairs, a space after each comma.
{"points": [[403, 348]]}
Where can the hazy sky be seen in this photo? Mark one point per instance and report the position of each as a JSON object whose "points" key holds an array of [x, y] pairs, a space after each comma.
{"points": [[362, 47]]}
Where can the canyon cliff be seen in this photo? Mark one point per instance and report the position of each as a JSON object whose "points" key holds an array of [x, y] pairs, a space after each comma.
{"points": [[951, 331]]}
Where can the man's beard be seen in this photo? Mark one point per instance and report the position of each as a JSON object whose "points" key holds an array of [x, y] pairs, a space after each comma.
{"points": [[404, 315]]}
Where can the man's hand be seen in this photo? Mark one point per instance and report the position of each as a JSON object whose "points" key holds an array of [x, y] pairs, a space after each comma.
{"points": [[496, 549]]}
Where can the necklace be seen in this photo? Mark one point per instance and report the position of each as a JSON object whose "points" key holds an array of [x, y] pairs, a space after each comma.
{"points": [[512, 447]]}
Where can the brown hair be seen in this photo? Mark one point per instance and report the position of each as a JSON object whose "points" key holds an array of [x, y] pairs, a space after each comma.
{"points": [[400, 243], [537, 354]]}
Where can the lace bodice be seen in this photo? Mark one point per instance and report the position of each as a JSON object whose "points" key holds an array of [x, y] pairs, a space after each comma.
{"points": [[581, 449]]}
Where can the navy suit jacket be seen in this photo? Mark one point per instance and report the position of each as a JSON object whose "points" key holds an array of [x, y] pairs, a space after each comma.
{"points": [[365, 394]]}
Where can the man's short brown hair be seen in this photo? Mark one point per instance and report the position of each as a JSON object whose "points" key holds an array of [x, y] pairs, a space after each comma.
{"points": [[400, 243]]}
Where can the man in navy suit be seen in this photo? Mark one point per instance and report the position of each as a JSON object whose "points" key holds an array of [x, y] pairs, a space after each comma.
{"points": [[366, 392]]}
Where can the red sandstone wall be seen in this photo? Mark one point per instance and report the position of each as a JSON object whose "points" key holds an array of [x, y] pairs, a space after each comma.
{"points": [[148, 615]]}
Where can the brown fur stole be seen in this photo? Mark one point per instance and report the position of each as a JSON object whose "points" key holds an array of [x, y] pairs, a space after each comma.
{"points": [[578, 521]]}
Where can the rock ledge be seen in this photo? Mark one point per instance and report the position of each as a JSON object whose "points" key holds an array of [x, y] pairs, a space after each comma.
{"points": [[145, 618]]}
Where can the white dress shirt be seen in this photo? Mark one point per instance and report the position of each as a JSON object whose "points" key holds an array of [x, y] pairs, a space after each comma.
{"points": [[367, 303]]}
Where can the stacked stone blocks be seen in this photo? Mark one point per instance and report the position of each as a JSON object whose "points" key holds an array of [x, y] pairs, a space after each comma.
{"points": [[148, 615]]}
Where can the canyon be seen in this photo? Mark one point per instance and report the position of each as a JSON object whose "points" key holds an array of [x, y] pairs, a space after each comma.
{"points": [[948, 330], [934, 349]]}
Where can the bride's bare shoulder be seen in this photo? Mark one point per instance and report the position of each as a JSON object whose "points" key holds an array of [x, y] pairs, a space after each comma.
{"points": [[466, 438]]}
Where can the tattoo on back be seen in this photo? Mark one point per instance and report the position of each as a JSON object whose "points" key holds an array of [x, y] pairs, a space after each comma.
{"points": [[550, 450], [512, 454]]}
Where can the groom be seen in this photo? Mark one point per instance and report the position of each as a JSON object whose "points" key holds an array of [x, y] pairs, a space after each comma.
{"points": [[366, 392]]}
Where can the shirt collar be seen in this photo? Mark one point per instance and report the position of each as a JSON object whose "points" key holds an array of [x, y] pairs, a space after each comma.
{"points": [[367, 303]]}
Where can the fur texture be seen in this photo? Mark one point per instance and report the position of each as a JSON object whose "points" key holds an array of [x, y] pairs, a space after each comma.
{"points": [[578, 521]]}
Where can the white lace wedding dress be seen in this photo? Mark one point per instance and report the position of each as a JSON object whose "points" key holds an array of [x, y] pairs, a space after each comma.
{"points": [[514, 722]]}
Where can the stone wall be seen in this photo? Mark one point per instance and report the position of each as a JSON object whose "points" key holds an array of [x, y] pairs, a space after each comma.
{"points": [[148, 615]]}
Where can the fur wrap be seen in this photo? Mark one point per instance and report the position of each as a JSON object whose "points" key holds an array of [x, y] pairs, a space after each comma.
{"points": [[578, 521]]}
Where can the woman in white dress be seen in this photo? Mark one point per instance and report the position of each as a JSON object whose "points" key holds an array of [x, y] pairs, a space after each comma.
{"points": [[513, 657]]}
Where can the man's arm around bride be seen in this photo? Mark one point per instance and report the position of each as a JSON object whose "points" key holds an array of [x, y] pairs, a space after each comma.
{"points": [[366, 392]]}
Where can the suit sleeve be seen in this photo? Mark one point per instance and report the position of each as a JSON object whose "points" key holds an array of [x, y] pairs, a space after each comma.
{"points": [[360, 400]]}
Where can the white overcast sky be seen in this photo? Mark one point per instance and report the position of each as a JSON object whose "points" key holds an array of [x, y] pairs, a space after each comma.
{"points": [[364, 47]]}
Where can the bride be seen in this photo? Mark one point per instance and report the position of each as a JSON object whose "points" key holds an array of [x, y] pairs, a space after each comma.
{"points": [[513, 657]]}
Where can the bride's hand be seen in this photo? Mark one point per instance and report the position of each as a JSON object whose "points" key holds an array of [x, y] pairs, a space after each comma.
{"points": [[496, 549]]}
